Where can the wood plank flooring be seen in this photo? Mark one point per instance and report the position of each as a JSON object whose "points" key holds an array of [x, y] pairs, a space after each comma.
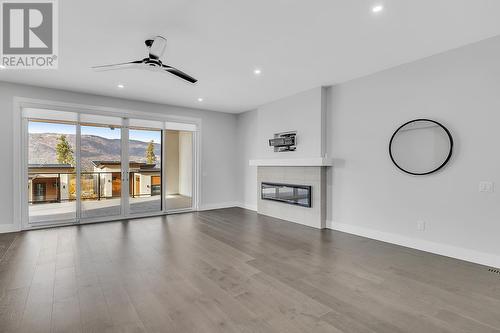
{"points": [[232, 270]]}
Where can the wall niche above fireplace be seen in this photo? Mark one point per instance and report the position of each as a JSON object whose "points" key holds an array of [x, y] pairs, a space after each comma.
{"points": [[299, 195]]}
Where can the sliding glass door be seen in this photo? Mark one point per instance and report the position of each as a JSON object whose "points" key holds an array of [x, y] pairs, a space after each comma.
{"points": [[101, 171], [91, 168], [51, 171], [145, 170]]}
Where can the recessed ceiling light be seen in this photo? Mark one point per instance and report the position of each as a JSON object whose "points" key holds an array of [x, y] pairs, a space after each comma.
{"points": [[257, 71], [121, 86], [200, 99], [377, 8]]}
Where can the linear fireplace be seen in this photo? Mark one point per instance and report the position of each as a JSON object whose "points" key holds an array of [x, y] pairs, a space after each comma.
{"points": [[299, 195]]}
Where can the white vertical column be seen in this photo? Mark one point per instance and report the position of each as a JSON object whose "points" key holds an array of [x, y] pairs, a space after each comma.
{"points": [[25, 173], [196, 170], [164, 170], [125, 168], [78, 143]]}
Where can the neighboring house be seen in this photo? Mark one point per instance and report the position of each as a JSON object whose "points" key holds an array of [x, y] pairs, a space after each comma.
{"points": [[50, 182], [56, 182], [144, 178]]}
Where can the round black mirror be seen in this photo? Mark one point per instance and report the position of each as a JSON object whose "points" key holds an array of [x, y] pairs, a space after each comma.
{"points": [[421, 147]]}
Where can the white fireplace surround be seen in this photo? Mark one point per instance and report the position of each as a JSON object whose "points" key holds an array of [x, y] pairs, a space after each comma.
{"points": [[314, 176]]}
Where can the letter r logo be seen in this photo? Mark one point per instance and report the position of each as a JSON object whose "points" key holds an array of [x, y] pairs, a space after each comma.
{"points": [[27, 28]]}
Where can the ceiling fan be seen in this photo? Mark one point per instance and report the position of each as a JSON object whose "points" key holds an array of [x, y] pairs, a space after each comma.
{"points": [[156, 48]]}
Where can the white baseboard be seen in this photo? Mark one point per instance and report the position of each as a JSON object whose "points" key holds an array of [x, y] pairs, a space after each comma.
{"points": [[228, 205], [219, 205], [246, 206], [456, 252], [5, 228]]}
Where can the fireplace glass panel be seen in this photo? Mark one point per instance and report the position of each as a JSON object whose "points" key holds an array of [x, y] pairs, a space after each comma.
{"points": [[292, 194]]}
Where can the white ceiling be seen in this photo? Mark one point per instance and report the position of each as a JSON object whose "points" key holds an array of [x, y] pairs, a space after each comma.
{"points": [[298, 45]]}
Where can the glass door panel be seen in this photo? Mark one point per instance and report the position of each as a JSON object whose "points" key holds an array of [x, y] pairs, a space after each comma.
{"points": [[145, 170], [91, 167], [51, 171], [101, 171], [179, 169]]}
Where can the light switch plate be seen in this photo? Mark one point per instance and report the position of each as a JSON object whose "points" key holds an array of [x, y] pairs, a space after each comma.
{"points": [[486, 186]]}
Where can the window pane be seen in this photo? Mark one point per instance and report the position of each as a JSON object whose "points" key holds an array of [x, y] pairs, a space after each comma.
{"points": [[51, 172], [100, 171], [145, 183]]}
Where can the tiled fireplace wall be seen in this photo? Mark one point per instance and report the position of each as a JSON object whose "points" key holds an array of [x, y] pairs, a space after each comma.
{"points": [[314, 176]]}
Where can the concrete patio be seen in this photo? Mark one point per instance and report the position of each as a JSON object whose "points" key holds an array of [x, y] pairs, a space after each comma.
{"points": [[61, 211]]}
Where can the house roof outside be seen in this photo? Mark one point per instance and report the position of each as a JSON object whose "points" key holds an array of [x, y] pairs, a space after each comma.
{"points": [[50, 166], [64, 167], [149, 171], [49, 170], [132, 164]]}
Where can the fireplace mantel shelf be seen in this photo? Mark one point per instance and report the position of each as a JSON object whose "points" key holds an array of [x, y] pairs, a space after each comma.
{"points": [[320, 162]]}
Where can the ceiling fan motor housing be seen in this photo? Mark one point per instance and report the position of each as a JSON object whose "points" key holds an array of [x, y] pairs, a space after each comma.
{"points": [[153, 62]]}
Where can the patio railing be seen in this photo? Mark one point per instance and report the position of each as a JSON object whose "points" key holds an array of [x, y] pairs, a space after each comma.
{"points": [[61, 187]]}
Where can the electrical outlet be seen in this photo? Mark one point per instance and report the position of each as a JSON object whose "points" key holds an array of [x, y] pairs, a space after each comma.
{"points": [[486, 186], [420, 225]]}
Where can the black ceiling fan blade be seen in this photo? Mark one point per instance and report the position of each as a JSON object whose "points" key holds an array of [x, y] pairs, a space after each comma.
{"points": [[179, 73], [118, 66]]}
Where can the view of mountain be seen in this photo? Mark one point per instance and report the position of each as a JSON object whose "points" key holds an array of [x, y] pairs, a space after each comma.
{"points": [[42, 149]]}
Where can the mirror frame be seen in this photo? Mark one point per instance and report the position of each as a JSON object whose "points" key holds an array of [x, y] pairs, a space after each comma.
{"points": [[450, 153]]}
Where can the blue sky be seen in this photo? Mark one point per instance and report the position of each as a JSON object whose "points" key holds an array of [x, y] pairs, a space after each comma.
{"points": [[145, 136], [105, 132]]}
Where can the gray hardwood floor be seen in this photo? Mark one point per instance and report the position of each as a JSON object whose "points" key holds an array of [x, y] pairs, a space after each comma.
{"points": [[232, 270]]}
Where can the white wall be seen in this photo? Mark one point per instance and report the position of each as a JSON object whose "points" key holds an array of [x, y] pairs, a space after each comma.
{"points": [[172, 162], [186, 163], [303, 113], [247, 149], [370, 196], [218, 141], [180, 163]]}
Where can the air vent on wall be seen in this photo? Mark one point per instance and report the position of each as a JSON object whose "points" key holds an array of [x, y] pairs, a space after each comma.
{"points": [[494, 270]]}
